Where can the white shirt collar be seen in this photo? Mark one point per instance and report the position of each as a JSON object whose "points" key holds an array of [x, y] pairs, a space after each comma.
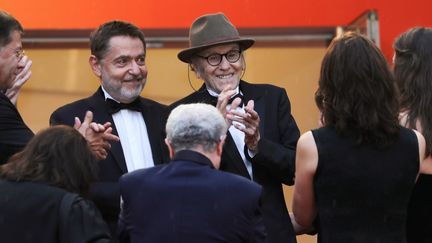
{"points": [[107, 95], [214, 94]]}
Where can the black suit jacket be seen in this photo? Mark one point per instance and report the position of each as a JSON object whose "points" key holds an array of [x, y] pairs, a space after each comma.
{"points": [[188, 200], [14, 133], [105, 193], [274, 163]]}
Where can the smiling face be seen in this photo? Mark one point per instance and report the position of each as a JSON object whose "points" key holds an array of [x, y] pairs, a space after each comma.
{"points": [[122, 70], [225, 74], [9, 62]]}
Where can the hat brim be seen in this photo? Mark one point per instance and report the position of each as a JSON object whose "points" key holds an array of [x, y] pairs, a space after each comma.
{"points": [[187, 54]]}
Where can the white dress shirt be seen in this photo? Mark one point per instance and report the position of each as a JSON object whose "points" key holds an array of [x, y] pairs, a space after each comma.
{"points": [[134, 139]]}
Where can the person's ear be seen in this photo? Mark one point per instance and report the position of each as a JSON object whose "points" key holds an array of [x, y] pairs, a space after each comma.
{"points": [[220, 145], [95, 65], [195, 70], [170, 148]]}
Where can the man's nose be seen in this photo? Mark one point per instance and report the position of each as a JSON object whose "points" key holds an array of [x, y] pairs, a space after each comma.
{"points": [[20, 65], [135, 68], [225, 64], [22, 61]]}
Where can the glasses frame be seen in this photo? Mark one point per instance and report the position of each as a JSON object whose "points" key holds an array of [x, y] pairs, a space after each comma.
{"points": [[221, 57]]}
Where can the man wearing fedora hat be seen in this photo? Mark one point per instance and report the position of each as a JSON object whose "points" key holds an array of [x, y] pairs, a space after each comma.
{"points": [[262, 136]]}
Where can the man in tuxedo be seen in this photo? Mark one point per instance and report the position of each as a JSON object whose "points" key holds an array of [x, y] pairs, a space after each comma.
{"points": [[14, 72], [118, 52], [262, 137], [189, 200]]}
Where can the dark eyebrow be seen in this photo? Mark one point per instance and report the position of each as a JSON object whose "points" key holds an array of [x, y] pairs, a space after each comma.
{"points": [[122, 57], [129, 57]]}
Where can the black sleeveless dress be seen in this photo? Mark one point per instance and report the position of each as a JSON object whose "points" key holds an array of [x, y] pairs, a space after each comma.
{"points": [[419, 224], [361, 192]]}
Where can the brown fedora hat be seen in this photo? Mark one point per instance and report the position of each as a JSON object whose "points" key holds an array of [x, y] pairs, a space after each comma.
{"points": [[211, 30]]}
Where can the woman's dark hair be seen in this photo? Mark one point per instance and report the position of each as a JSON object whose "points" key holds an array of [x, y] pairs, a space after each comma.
{"points": [[57, 156], [413, 73], [357, 94]]}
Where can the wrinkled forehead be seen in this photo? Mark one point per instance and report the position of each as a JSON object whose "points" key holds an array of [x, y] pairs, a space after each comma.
{"points": [[125, 46]]}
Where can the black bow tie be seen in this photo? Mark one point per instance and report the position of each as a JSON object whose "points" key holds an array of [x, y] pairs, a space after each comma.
{"points": [[114, 106], [212, 100]]}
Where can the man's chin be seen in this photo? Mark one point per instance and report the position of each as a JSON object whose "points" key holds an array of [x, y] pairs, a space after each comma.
{"points": [[130, 95]]}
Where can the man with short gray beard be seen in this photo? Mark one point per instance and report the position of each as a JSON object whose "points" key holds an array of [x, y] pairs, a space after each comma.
{"points": [[118, 52]]}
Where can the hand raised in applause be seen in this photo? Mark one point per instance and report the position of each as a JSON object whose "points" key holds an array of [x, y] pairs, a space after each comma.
{"points": [[247, 122], [222, 103], [97, 135]]}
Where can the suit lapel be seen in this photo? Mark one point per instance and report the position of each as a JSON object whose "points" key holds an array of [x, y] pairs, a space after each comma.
{"points": [[251, 92], [231, 158], [203, 96], [154, 123], [101, 115]]}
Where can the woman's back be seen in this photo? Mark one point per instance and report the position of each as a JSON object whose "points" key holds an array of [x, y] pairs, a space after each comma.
{"points": [[35, 213], [362, 192], [413, 73], [29, 212]]}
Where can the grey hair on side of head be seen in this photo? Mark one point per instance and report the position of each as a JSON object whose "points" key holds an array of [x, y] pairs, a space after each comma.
{"points": [[195, 125]]}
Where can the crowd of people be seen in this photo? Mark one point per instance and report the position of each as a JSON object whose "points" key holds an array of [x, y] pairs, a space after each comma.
{"points": [[118, 167]]}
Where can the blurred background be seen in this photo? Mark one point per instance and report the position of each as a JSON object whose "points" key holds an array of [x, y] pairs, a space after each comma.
{"points": [[291, 39]]}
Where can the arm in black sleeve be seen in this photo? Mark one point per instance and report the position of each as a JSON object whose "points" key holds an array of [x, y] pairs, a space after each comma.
{"points": [[278, 155], [85, 223]]}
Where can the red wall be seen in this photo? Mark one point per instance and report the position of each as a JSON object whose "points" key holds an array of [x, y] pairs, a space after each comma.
{"points": [[395, 15]]}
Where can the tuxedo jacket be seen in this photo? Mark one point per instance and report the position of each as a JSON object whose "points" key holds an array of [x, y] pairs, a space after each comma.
{"points": [[188, 200], [14, 133], [105, 192], [274, 164]]}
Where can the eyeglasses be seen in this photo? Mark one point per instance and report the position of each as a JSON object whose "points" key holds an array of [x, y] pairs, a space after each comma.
{"points": [[18, 53], [216, 58]]}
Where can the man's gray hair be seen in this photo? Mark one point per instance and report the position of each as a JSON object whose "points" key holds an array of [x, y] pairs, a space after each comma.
{"points": [[195, 125]]}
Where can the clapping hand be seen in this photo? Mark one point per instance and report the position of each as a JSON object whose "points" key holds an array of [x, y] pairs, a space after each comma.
{"points": [[97, 135]]}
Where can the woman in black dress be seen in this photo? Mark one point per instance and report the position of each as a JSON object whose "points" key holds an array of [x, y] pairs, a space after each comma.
{"points": [[42, 190], [413, 73], [355, 174]]}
